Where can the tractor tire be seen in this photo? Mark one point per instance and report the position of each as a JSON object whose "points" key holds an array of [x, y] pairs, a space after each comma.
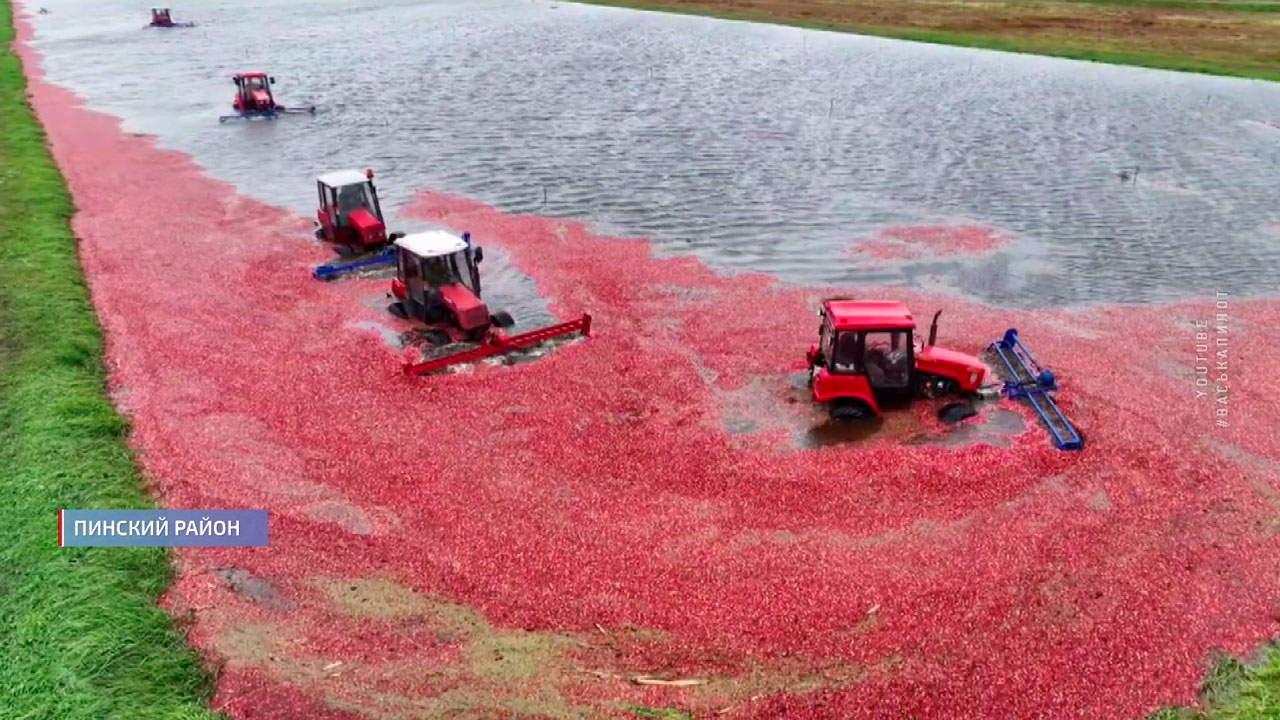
{"points": [[320, 234], [849, 410], [399, 310], [502, 319], [953, 413]]}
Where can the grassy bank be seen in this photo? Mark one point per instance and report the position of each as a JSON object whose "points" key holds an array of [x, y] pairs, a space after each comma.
{"points": [[80, 634], [1235, 690], [1218, 38]]}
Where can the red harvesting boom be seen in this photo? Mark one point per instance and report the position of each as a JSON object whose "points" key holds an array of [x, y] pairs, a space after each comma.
{"points": [[498, 343]]}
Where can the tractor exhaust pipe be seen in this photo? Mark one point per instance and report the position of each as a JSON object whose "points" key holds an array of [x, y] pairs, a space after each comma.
{"points": [[933, 329]]}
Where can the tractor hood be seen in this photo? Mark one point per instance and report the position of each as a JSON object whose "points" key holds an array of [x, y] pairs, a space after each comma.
{"points": [[261, 99], [966, 370], [368, 226], [471, 312]]}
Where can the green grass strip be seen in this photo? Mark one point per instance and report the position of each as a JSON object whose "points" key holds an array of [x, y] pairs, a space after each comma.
{"points": [[1201, 5], [1263, 68], [80, 633], [1236, 690]]}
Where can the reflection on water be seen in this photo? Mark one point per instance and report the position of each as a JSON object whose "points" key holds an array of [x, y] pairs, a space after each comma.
{"points": [[757, 147]]}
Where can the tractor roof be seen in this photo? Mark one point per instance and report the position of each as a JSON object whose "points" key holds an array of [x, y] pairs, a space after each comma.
{"points": [[342, 178], [251, 74], [431, 244], [869, 315]]}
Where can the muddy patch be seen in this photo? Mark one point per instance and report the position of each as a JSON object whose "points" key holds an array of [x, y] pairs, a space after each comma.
{"points": [[251, 587], [1098, 500], [503, 672], [997, 426], [344, 515], [1261, 472], [391, 338], [762, 405], [377, 598]]}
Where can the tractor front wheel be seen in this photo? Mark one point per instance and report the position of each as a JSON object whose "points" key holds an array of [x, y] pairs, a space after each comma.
{"points": [[849, 410], [502, 319], [953, 413]]}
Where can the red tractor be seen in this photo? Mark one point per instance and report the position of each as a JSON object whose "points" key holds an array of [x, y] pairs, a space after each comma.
{"points": [[866, 359], [438, 284], [350, 215], [253, 93], [254, 99], [160, 18]]}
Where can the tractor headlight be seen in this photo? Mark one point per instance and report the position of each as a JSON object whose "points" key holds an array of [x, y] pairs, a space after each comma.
{"points": [[973, 377]]}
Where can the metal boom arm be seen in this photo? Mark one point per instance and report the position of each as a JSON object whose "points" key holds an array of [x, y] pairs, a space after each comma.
{"points": [[499, 344]]}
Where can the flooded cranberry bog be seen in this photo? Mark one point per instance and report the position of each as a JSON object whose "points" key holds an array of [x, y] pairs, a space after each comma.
{"points": [[656, 516]]}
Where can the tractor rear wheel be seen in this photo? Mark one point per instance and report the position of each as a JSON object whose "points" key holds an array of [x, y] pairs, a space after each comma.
{"points": [[849, 410], [502, 319]]}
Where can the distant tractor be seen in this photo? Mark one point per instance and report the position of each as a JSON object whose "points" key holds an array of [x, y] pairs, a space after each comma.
{"points": [[350, 215], [254, 98], [160, 18], [438, 284], [253, 92], [867, 359]]}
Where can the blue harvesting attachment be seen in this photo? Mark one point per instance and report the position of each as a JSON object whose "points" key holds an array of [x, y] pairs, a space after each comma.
{"points": [[270, 114], [329, 271], [1034, 383]]}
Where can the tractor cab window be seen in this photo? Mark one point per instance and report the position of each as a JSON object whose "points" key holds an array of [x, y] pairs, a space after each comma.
{"points": [[887, 356], [436, 271], [408, 265], [458, 268], [826, 341], [350, 199], [844, 356], [255, 83]]}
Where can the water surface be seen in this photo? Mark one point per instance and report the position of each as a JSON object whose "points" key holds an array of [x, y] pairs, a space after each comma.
{"points": [[757, 147]]}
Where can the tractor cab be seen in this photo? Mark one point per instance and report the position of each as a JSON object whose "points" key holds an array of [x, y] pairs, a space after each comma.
{"points": [[349, 213], [160, 17], [253, 92], [868, 358]]}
